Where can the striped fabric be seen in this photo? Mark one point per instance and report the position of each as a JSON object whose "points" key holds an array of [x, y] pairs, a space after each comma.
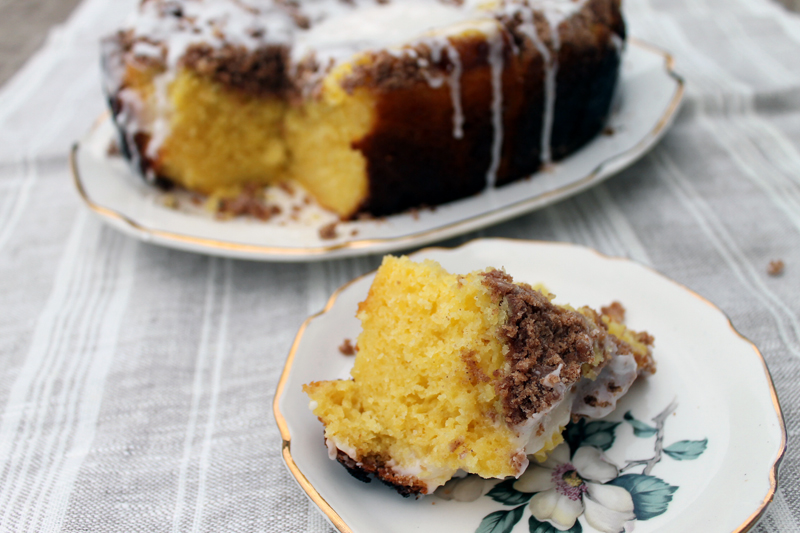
{"points": [[136, 382]]}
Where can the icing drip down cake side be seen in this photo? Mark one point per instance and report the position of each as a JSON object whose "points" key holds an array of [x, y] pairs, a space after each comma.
{"points": [[471, 373], [374, 106]]}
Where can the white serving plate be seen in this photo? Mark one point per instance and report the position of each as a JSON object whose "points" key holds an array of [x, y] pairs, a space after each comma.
{"points": [[727, 409], [649, 96]]}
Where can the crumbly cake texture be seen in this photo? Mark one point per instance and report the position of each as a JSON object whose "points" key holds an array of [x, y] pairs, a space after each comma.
{"points": [[468, 372], [374, 106]]}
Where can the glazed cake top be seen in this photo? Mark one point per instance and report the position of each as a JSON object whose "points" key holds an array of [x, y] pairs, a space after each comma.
{"points": [[320, 32], [289, 48]]}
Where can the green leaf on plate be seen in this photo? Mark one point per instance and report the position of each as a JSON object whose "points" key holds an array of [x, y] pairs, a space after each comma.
{"points": [[599, 434], [506, 494], [573, 434], [651, 495], [686, 450], [501, 521], [640, 429], [534, 526]]}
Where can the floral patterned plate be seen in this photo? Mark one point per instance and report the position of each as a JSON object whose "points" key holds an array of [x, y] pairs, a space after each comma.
{"points": [[694, 447]]}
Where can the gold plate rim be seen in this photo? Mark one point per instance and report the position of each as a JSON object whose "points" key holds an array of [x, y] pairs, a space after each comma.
{"points": [[334, 517], [275, 253]]}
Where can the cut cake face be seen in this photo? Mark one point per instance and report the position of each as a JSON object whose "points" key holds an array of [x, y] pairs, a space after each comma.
{"points": [[469, 373]]}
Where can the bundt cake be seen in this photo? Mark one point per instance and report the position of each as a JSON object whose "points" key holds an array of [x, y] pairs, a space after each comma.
{"points": [[374, 106], [469, 373]]}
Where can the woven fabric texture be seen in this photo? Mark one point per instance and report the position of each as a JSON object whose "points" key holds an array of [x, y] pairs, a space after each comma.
{"points": [[136, 381]]}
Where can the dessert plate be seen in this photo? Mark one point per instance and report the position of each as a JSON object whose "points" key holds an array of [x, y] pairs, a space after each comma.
{"points": [[649, 96], [697, 444]]}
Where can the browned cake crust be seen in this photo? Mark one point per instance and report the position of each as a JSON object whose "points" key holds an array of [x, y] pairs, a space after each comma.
{"points": [[412, 163], [366, 466], [541, 338]]}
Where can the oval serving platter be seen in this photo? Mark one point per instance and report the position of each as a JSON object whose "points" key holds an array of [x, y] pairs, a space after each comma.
{"points": [[650, 94], [697, 445]]}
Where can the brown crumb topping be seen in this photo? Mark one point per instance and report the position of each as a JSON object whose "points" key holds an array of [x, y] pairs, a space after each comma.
{"points": [[594, 402], [615, 311], [347, 348], [645, 362], [644, 338], [267, 69], [258, 72], [541, 338], [776, 267]]}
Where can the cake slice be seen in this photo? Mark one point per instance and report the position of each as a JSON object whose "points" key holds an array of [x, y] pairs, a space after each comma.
{"points": [[470, 373]]}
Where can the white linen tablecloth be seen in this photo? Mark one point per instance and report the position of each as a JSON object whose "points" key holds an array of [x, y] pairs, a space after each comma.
{"points": [[136, 382]]}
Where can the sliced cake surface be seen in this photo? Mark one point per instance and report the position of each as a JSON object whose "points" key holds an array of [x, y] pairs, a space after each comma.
{"points": [[468, 373]]}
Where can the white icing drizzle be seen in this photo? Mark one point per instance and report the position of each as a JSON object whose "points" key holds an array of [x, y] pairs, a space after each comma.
{"points": [[496, 43], [131, 109], [550, 68], [333, 444], [159, 127], [550, 423], [611, 384], [331, 449], [455, 91], [555, 13], [214, 23], [431, 476], [437, 45], [145, 49], [362, 26], [551, 73], [531, 438], [618, 43]]}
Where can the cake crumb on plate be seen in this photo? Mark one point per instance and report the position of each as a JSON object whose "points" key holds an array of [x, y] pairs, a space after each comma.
{"points": [[328, 231], [347, 348]]}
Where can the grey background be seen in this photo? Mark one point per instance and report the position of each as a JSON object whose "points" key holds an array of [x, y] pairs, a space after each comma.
{"points": [[136, 382]]}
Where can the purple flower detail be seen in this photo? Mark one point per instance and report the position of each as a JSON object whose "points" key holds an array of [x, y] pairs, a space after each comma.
{"points": [[568, 482]]}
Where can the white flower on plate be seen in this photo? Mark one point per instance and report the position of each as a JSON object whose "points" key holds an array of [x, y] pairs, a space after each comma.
{"points": [[566, 488], [463, 489]]}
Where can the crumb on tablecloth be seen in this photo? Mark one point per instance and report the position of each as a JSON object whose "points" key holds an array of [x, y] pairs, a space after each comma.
{"points": [[776, 267]]}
